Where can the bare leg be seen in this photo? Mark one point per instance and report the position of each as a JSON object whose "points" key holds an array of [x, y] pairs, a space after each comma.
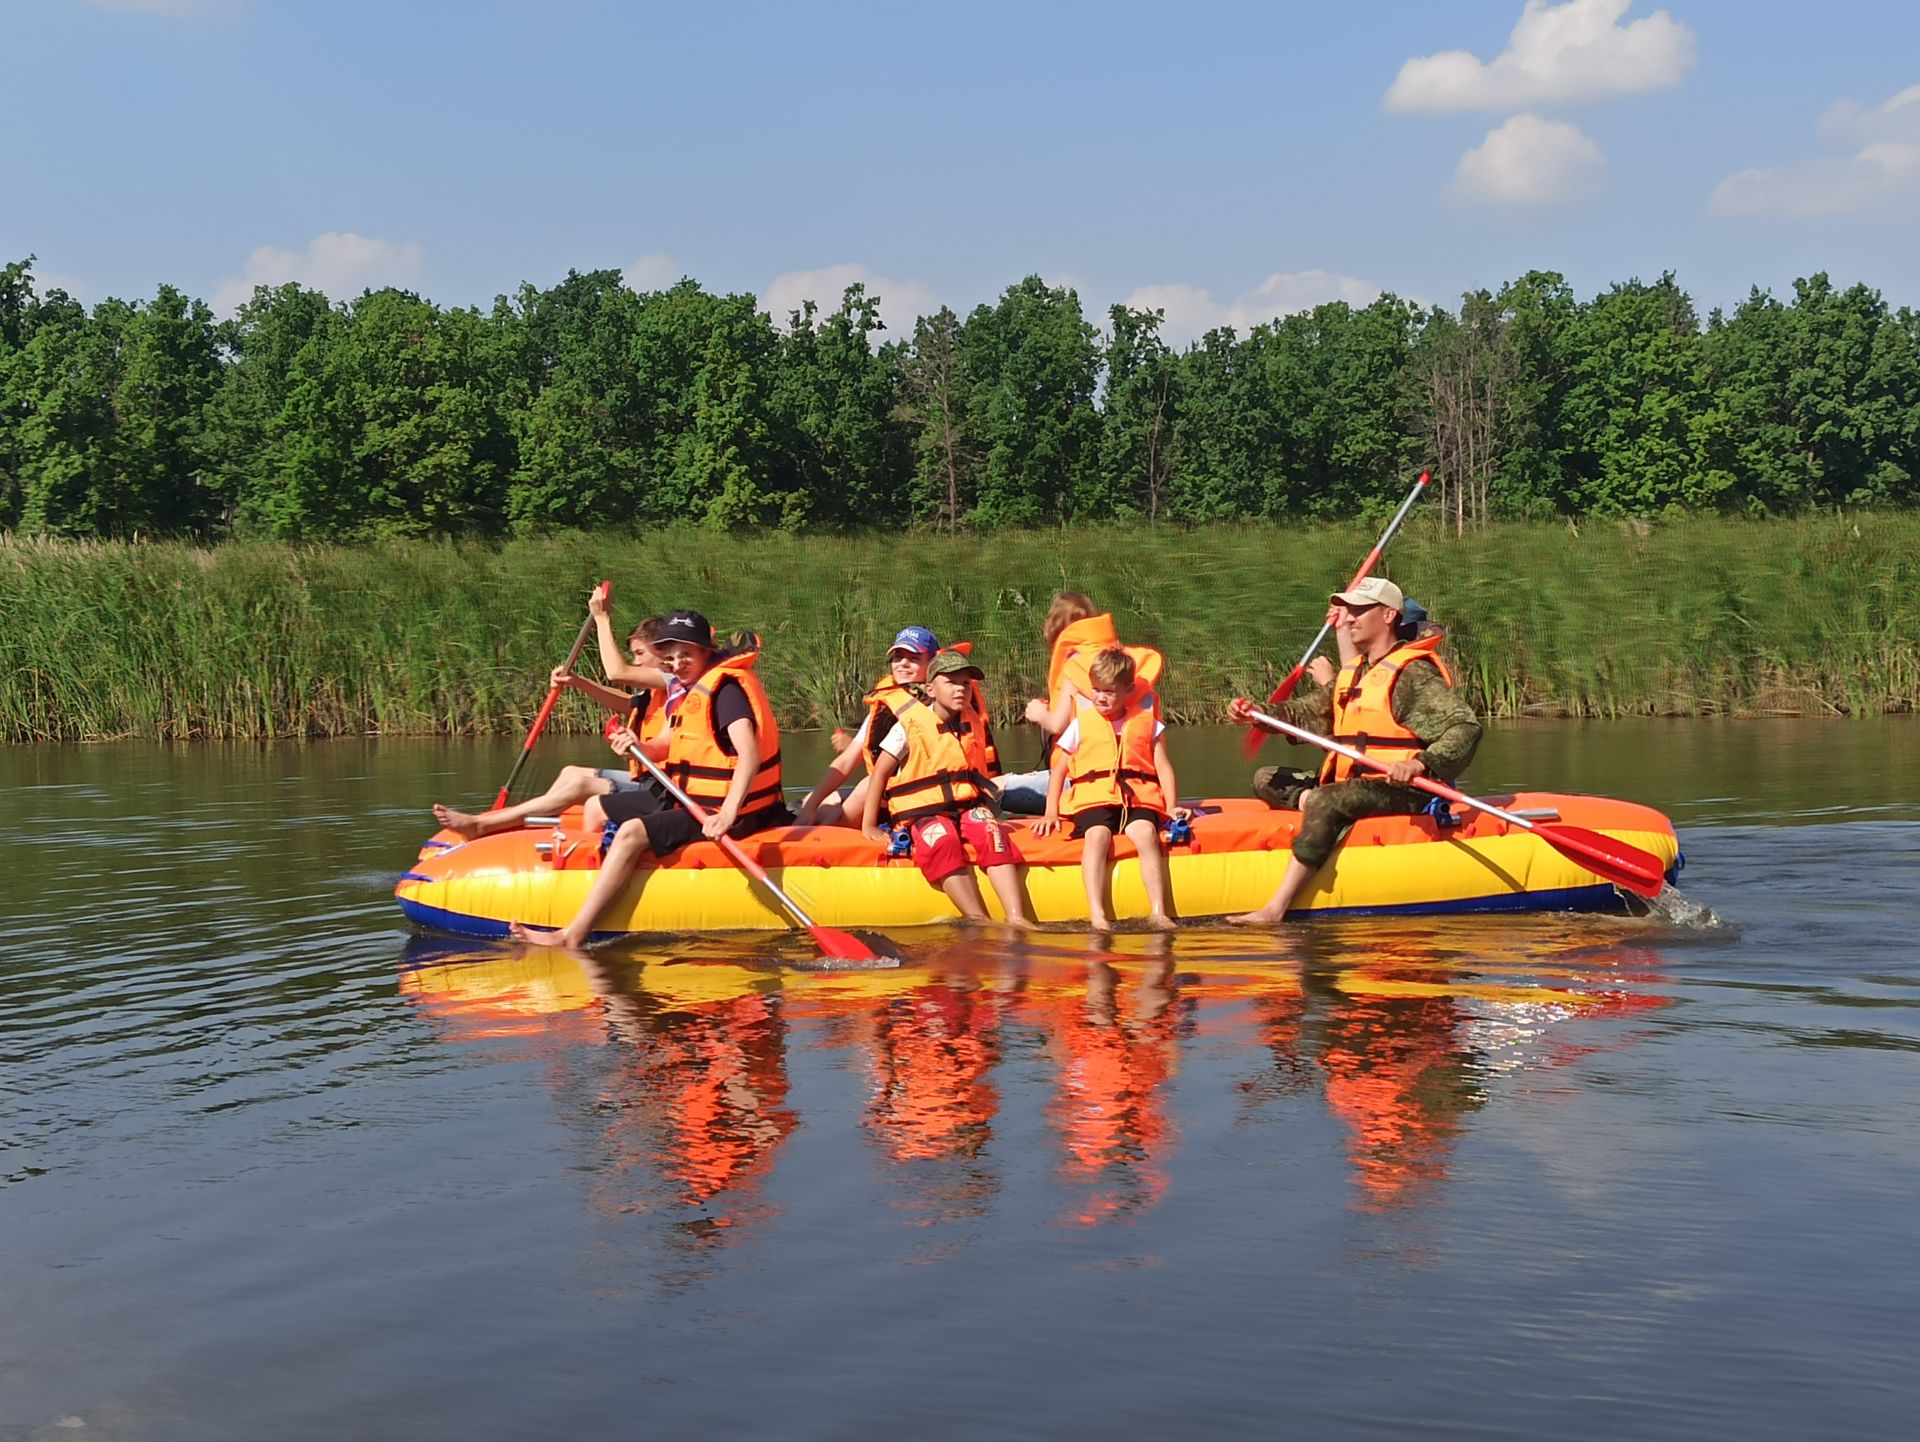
{"points": [[573, 784], [1093, 871], [964, 892], [1153, 872], [850, 810], [1297, 874], [629, 845], [1013, 901]]}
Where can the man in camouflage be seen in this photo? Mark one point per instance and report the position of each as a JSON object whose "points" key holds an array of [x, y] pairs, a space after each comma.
{"points": [[1443, 733]]}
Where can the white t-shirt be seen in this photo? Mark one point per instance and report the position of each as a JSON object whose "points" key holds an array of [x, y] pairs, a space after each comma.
{"points": [[1069, 739], [894, 743]]}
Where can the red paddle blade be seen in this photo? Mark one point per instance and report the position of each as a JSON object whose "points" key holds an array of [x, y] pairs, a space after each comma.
{"points": [[1251, 742], [838, 945], [1286, 686], [1622, 864]]}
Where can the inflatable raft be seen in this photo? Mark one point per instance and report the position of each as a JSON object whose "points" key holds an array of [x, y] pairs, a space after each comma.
{"points": [[1408, 865]]}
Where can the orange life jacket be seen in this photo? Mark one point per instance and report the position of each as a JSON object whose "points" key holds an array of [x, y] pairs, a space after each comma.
{"points": [[1363, 707], [944, 768], [888, 694], [694, 759], [648, 721], [1074, 650], [1114, 769]]}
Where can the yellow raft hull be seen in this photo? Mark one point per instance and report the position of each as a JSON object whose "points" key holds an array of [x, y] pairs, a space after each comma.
{"points": [[1239, 849]]}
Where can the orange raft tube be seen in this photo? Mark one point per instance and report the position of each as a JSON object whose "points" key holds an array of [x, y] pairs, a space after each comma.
{"points": [[1411, 865]]}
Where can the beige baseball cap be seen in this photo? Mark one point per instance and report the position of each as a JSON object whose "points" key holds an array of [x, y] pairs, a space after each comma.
{"points": [[1374, 591]]}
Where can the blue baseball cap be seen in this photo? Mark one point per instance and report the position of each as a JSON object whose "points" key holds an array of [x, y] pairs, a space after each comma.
{"points": [[917, 639]]}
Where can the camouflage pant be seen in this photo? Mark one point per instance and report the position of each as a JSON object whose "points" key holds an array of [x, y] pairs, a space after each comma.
{"points": [[1327, 811]]}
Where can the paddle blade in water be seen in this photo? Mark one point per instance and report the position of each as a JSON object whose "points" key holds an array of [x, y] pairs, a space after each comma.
{"points": [[844, 946], [1622, 864]]}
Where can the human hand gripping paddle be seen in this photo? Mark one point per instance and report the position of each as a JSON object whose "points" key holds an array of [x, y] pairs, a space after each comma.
{"points": [[605, 591], [1250, 743], [1622, 864], [834, 945]]}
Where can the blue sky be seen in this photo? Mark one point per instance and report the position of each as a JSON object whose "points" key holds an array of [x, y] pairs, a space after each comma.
{"points": [[1226, 161]]}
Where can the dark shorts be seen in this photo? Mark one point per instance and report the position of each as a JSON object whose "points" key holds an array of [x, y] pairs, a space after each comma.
{"points": [[1113, 818], [670, 825]]}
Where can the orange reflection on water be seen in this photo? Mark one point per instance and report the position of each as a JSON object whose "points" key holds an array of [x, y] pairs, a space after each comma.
{"points": [[1401, 1031]]}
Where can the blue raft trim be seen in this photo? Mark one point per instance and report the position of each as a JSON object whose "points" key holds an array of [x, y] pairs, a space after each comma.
{"points": [[1600, 897]]}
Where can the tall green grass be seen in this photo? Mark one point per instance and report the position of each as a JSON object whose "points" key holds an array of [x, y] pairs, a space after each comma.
{"points": [[1699, 617]]}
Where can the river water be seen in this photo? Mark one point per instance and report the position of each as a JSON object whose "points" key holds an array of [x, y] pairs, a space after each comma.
{"points": [[272, 1168]]}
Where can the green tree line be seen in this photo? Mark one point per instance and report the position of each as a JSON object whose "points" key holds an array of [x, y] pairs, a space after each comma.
{"points": [[589, 405]]}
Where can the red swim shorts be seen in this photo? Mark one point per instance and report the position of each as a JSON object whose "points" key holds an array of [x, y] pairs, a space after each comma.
{"points": [[938, 849]]}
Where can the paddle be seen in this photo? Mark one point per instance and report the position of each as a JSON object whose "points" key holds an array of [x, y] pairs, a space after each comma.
{"points": [[539, 722], [834, 945], [1622, 864], [1250, 743]]}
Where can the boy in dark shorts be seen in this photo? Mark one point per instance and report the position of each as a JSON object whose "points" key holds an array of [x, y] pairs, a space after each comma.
{"points": [[932, 773], [1112, 773], [723, 750]]}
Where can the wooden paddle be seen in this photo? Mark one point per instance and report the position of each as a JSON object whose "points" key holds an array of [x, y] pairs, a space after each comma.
{"points": [[1250, 743], [1622, 864], [605, 590], [834, 945]]}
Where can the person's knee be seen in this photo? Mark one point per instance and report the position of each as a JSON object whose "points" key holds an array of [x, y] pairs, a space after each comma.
{"points": [[628, 837]]}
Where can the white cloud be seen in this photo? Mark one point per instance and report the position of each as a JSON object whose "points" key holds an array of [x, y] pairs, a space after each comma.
{"points": [[1557, 55], [339, 263], [1881, 177], [45, 281], [901, 301], [1896, 120], [652, 272], [1191, 312], [1530, 162]]}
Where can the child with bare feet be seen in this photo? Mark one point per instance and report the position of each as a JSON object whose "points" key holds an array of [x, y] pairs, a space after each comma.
{"points": [[932, 773], [722, 749], [1112, 773], [644, 709]]}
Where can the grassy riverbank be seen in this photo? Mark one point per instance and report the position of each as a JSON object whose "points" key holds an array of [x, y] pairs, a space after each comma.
{"points": [[1700, 617]]}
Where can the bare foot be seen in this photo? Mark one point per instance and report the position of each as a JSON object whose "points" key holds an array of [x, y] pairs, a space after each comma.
{"points": [[1262, 917], [542, 937], [1019, 923], [1100, 923], [1160, 921], [464, 823]]}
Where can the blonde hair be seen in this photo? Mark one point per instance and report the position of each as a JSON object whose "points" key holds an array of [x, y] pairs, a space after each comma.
{"points": [[1112, 670], [1067, 607]]}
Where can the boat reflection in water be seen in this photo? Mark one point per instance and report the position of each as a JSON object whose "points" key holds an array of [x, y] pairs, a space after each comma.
{"points": [[980, 1051]]}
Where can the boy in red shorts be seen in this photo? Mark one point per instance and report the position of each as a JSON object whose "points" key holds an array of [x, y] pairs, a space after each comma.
{"points": [[932, 772]]}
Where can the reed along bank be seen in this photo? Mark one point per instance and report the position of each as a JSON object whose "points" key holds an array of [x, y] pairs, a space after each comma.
{"points": [[1698, 617]]}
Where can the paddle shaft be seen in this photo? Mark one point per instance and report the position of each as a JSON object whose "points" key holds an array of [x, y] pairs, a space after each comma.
{"points": [[546, 707], [727, 844], [1424, 783], [1285, 688], [1616, 860]]}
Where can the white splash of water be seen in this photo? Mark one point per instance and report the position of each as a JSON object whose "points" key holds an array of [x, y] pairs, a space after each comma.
{"points": [[1676, 908]]}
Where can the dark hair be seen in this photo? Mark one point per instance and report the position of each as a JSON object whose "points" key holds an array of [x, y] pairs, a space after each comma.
{"points": [[647, 631]]}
